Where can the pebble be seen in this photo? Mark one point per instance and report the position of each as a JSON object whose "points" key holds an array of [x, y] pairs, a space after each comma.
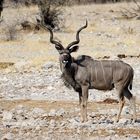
{"points": [[46, 85], [52, 112], [8, 136], [7, 116]]}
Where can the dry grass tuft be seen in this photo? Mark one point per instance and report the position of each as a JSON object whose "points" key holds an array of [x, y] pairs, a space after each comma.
{"points": [[4, 65]]}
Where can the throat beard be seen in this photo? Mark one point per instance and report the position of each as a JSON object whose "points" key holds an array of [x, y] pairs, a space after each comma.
{"points": [[68, 76], [66, 83]]}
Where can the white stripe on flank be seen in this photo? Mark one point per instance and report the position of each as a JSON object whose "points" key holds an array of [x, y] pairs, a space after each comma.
{"points": [[103, 72], [95, 73]]}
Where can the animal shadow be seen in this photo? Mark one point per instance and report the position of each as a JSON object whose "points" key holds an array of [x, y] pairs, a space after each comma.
{"points": [[137, 121]]}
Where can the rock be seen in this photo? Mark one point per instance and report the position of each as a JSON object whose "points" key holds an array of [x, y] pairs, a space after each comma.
{"points": [[60, 112], [37, 112], [52, 112], [48, 65], [24, 123], [38, 127], [50, 88], [21, 65], [63, 123], [19, 107], [126, 110], [74, 123], [8, 136], [7, 116], [20, 112], [4, 79], [52, 123], [111, 132], [93, 127], [124, 121]]}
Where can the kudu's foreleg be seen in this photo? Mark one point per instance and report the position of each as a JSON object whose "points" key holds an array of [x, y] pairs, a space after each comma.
{"points": [[83, 103]]}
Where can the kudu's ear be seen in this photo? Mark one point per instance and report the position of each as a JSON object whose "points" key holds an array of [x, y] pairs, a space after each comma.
{"points": [[73, 48], [59, 49]]}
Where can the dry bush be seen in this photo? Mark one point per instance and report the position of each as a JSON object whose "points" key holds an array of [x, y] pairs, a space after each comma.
{"points": [[11, 32], [11, 25], [36, 2], [77, 2], [51, 12], [66, 2], [25, 2], [1, 6], [4, 65], [131, 12]]}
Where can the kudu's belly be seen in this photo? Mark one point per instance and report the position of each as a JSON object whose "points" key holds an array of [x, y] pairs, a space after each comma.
{"points": [[100, 85]]}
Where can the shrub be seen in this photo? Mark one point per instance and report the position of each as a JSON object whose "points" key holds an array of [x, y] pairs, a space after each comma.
{"points": [[11, 32], [51, 12], [1, 6]]}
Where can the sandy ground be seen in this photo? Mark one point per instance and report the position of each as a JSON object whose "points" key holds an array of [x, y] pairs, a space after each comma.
{"points": [[30, 77]]}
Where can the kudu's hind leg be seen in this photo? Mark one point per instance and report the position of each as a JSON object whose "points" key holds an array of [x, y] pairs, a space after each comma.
{"points": [[131, 99], [121, 104], [80, 98], [120, 89]]}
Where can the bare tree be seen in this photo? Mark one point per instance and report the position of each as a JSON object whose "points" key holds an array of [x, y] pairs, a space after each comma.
{"points": [[51, 12], [1, 6], [131, 12], [85, 73]]}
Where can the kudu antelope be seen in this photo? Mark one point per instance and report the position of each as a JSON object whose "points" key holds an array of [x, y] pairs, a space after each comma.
{"points": [[84, 73]]}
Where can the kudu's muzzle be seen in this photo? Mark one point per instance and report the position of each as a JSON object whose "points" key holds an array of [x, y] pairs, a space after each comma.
{"points": [[65, 62]]}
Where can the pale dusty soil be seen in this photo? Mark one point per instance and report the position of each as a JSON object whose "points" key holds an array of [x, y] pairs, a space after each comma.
{"points": [[66, 127], [32, 95]]}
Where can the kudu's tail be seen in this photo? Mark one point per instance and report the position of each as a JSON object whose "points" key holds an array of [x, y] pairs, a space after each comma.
{"points": [[130, 85], [131, 81]]}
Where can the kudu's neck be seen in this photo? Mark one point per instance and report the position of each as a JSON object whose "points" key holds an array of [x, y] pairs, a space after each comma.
{"points": [[68, 73]]}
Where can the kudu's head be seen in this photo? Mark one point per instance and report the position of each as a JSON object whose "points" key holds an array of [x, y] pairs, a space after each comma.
{"points": [[65, 53]]}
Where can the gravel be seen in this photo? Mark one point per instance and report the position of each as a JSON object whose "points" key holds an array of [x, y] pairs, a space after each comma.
{"points": [[40, 124], [36, 123]]}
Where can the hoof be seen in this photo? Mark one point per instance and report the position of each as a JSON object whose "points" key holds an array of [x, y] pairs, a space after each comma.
{"points": [[134, 120], [116, 121], [84, 120]]}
